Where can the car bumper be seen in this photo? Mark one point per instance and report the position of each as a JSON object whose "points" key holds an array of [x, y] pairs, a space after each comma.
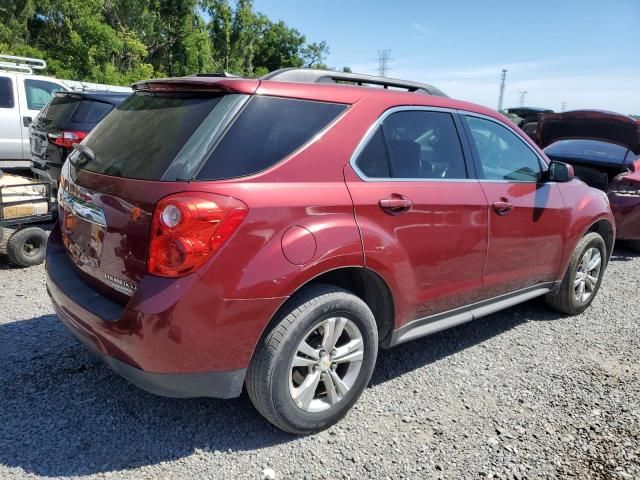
{"points": [[174, 337]]}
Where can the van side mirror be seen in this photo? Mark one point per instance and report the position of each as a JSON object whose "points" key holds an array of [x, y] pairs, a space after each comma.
{"points": [[559, 172]]}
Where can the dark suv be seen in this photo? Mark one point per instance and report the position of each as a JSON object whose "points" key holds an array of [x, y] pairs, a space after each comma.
{"points": [[62, 124], [221, 232]]}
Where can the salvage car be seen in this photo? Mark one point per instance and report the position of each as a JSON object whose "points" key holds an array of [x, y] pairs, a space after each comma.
{"points": [[63, 124], [528, 118], [604, 149], [274, 233]]}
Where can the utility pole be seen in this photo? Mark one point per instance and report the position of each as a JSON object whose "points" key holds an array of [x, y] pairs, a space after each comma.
{"points": [[523, 93], [503, 80], [563, 107], [384, 57]]}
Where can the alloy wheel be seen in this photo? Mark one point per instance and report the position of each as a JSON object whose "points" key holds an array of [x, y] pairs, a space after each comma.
{"points": [[326, 364], [587, 275]]}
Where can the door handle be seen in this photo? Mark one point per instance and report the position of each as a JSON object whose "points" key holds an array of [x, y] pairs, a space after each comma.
{"points": [[395, 204], [502, 207], [26, 121]]}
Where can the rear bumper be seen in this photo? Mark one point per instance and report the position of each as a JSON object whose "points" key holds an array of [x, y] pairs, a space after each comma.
{"points": [[174, 338], [177, 385]]}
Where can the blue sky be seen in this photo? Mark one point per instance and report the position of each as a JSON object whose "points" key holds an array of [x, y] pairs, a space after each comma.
{"points": [[585, 53]]}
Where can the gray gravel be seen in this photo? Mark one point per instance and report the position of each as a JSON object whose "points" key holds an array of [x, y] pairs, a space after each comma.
{"points": [[521, 394]]}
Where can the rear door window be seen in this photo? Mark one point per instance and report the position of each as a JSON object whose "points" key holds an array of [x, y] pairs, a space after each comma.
{"points": [[414, 144], [268, 130], [39, 92], [373, 161], [142, 136], [6, 93]]}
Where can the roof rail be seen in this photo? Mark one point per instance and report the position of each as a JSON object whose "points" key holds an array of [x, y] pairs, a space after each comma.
{"points": [[310, 75], [21, 64]]}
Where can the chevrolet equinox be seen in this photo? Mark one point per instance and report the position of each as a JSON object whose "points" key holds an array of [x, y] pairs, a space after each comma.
{"points": [[272, 234]]}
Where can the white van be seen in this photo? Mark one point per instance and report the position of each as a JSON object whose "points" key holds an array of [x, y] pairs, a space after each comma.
{"points": [[22, 96]]}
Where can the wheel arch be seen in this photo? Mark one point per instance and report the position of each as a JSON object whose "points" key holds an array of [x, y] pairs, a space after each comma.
{"points": [[364, 283], [605, 229]]}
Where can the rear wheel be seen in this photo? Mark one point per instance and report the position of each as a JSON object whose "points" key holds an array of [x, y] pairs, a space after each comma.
{"points": [[583, 277], [313, 365], [27, 247]]}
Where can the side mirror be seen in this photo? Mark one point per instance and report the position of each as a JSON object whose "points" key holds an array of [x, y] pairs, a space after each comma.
{"points": [[560, 172]]}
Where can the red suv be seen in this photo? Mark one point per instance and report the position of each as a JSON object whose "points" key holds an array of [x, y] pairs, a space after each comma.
{"points": [[222, 232]]}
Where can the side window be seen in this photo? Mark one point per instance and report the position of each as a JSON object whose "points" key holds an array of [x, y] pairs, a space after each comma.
{"points": [[268, 130], [424, 144], [39, 93], [6, 93], [502, 154], [373, 161], [420, 145]]}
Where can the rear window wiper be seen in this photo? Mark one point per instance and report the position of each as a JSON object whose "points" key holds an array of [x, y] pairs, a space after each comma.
{"points": [[87, 153]]}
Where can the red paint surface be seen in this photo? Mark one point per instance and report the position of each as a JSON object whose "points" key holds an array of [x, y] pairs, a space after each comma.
{"points": [[449, 249]]}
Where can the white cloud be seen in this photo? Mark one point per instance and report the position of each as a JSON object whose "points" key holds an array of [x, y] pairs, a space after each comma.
{"points": [[418, 27]]}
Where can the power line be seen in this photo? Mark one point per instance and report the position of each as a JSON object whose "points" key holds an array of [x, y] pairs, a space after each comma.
{"points": [[523, 94], [503, 81], [384, 58]]}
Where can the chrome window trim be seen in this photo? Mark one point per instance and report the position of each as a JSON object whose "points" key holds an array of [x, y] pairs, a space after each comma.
{"points": [[372, 130], [544, 166]]}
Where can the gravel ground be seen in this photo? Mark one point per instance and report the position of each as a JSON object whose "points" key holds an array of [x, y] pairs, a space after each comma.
{"points": [[520, 394]]}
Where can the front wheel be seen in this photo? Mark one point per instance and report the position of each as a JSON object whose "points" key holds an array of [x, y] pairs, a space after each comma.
{"points": [[583, 277], [313, 365]]}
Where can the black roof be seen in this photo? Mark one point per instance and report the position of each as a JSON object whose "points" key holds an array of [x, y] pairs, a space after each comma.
{"points": [[114, 98], [527, 110]]}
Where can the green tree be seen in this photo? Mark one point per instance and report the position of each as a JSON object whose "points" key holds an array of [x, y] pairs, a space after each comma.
{"points": [[121, 41]]}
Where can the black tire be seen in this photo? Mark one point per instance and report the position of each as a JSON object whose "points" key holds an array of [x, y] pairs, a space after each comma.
{"points": [[564, 299], [27, 247], [268, 376]]}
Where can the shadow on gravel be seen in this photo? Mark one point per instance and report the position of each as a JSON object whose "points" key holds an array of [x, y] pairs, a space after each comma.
{"points": [[623, 252], [63, 413], [423, 351]]}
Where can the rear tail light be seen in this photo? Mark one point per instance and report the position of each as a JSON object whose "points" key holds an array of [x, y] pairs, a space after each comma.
{"points": [[67, 138], [188, 228]]}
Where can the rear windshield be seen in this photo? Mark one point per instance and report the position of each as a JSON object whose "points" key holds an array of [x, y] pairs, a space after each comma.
{"points": [[59, 110], [184, 136], [142, 136], [91, 112]]}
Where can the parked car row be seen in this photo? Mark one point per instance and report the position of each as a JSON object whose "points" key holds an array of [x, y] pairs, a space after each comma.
{"points": [[604, 149], [22, 95], [272, 234]]}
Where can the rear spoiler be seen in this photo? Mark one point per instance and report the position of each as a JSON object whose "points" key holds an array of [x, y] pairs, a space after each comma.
{"points": [[198, 84]]}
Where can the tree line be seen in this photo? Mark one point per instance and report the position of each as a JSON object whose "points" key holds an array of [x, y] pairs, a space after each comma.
{"points": [[122, 41]]}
